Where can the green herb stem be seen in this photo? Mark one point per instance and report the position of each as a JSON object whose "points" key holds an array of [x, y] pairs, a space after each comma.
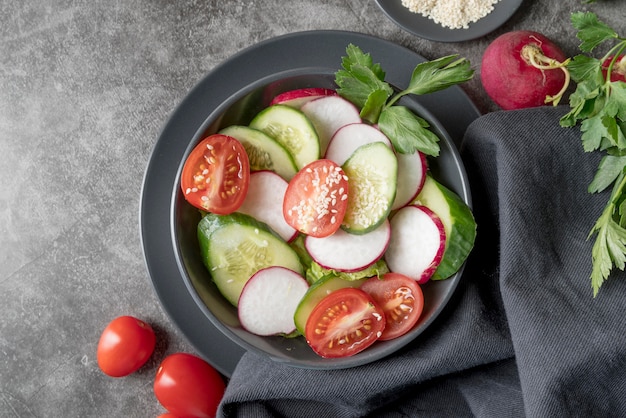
{"points": [[394, 99]]}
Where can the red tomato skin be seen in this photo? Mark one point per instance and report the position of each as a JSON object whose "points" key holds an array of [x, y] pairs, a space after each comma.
{"points": [[356, 304], [188, 386], [124, 346], [401, 314], [216, 175], [317, 211]]}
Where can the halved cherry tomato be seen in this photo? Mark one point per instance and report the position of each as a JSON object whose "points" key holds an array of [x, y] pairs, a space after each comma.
{"points": [[216, 175], [316, 199], [344, 323], [401, 299], [125, 345], [188, 386]]}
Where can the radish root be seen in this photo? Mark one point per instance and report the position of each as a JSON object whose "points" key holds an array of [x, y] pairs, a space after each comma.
{"points": [[533, 54]]}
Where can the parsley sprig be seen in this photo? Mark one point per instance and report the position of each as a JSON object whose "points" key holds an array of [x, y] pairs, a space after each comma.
{"points": [[362, 82], [599, 105]]}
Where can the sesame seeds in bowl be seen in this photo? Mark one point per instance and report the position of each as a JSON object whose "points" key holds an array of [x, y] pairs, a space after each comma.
{"points": [[435, 24]]}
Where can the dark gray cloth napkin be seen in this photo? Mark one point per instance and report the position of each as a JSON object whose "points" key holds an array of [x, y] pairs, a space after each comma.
{"points": [[523, 335]]}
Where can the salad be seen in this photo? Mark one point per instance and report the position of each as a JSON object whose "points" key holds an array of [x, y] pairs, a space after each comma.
{"points": [[321, 218]]}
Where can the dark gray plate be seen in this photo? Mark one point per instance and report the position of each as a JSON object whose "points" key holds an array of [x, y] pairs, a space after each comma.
{"points": [[428, 29], [322, 50]]}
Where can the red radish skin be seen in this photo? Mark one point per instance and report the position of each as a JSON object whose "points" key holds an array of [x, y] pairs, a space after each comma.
{"points": [[412, 170], [264, 202], [347, 252], [618, 72], [510, 75], [297, 98], [269, 301], [417, 243]]}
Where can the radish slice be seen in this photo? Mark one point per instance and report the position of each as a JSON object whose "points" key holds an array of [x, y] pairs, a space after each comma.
{"points": [[411, 177], [347, 252], [328, 114], [297, 98], [269, 300], [349, 137], [417, 243], [264, 202]]}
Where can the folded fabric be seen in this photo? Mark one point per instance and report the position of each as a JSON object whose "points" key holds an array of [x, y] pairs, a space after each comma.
{"points": [[523, 334]]}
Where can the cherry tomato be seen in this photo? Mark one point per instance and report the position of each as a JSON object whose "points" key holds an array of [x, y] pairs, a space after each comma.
{"points": [[345, 322], [188, 386], [167, 415], [401, 299], [619, 68], [216, 175], [316, 199], [125, 345]]}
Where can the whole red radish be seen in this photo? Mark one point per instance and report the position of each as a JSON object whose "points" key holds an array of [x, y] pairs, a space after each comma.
{"points": [[618, 72], [523, 69]]}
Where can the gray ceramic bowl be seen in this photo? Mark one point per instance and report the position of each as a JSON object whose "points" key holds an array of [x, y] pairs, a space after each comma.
{"points": [[240, 108]]}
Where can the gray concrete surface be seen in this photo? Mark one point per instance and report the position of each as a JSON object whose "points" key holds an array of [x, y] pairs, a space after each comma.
{"points": [[85, 87]]}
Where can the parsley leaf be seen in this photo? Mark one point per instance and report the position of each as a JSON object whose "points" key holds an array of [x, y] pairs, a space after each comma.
{"points": [[362, 82], [610, 168], [591, 31], [407, 131], [609, 249], [360, 77], [439, 74], [599, 105]]}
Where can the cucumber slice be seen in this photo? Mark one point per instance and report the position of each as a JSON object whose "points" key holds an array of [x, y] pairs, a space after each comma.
{"points": [[234, 247], [292, 129], [264, 152], [318, 291], [372, 172], [458, 223]]}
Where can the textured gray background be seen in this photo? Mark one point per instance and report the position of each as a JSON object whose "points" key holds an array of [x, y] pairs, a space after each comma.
{"points": [[85, 87]]}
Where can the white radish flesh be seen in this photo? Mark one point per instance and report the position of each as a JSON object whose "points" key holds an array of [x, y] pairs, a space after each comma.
{"points": [[269, 300], [297, 98], [328, 114], [417, 243], [347, 252], [411, 176], [264, 202], [349, 137]]}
